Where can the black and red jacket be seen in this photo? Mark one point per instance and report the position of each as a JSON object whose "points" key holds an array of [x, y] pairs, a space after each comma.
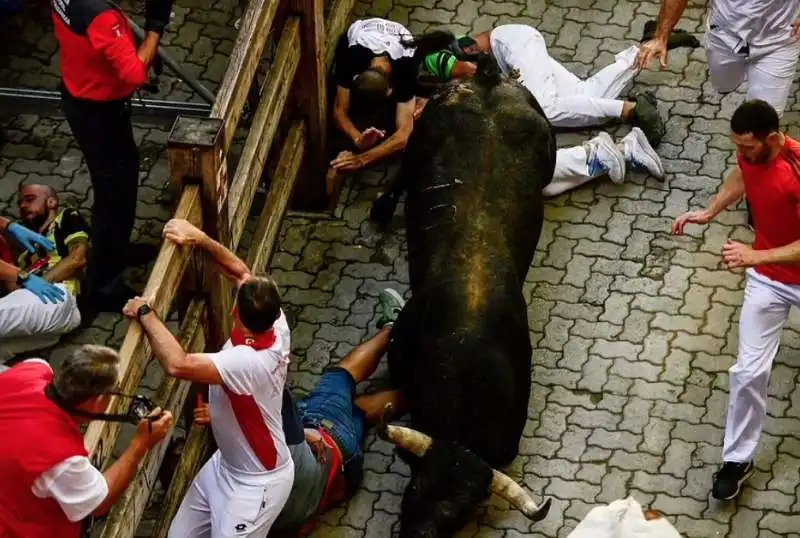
{"points": [[98, 52]]}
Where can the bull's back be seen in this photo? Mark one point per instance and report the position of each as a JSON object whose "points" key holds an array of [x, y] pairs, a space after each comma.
{"points": [[474, 170]]}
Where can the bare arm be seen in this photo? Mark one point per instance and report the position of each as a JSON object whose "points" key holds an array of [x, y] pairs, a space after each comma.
{"points": [[120, 474], [668, 16], [731, 191], [8, 273], [72, 264], [233, 267], [404, 119], [789, 254], [149, 48], [341, 108]]}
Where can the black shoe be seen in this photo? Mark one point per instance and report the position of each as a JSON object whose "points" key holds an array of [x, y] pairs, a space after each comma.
{"points": [[677, 39], [646, 117], [729, 479], [137, 254]]}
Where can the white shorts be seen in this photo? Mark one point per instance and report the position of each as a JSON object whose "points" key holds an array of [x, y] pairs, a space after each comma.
{"points": [[225, 504]]}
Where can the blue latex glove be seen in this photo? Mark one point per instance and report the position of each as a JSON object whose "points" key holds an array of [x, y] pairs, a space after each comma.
{"points": [[28, 238], [44, 290]]}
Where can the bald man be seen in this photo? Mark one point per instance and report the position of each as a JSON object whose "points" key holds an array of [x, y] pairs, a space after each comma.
{"points": [[28, 321]]}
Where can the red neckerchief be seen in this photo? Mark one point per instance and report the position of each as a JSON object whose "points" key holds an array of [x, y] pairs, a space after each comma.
{"points": [[260, 341]]}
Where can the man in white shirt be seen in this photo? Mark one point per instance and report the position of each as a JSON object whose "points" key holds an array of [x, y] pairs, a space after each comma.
{"points": [[752, 40], [48, 483], [241, 490]]}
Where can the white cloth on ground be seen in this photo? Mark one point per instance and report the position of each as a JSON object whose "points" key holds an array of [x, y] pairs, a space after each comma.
{"points": [[622, 518]]}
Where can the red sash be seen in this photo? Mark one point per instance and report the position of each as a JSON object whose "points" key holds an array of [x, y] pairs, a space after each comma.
{"points": [[335, 487]]}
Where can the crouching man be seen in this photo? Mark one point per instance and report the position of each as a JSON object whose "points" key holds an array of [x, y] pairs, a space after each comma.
{"points": [[241, 490], [42, 301], [326, 429], [48, 483]]}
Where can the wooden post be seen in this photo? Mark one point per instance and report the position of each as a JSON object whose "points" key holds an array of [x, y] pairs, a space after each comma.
{"points": [[195, 148], [310, 88]]}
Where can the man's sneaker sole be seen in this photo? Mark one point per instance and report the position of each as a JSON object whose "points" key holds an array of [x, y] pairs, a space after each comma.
{"points": [[739, 484], [616, 164], [383, 320], [644, 144]]}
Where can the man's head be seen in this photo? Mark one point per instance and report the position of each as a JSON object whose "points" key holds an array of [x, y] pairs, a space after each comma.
{"points": [[755, 128], [86, 376], [371, 87], [37, 203], [258, 304]]}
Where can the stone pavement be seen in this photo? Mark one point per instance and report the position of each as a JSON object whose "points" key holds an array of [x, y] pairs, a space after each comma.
{"points": [[633, 329]]}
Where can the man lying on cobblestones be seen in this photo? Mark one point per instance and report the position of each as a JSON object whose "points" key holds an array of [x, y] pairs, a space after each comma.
{"points": [[241, 490], [48, 484], [577, 165], [567, 101], [32, 315], [375, 77], [768, 172], [326, 429]]}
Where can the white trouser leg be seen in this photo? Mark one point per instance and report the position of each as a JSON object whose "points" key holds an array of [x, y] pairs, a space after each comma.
{"points": [[726, 69], [27, 323], [764, 313], [571, 171], [193, 519], [770, 77], [612, 79]]}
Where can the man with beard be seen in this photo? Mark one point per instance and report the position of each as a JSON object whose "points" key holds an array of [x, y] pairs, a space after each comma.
{"points": [[768, 172], [30, 319]]}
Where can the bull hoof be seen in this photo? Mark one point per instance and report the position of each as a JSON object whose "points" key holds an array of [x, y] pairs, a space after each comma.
{"points": [[383, 209], [543, 511]]}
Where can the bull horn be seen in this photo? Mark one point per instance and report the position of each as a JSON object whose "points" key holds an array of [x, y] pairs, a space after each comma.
{"points": [[415, 442], [504, 487]]}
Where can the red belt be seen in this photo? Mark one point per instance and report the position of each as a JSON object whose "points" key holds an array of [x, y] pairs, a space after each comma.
{"points": [[335, 487]]}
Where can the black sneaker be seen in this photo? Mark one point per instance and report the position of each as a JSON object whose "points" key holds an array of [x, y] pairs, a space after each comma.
{"points": [[729, 479], [646, 117], [677, 39]]}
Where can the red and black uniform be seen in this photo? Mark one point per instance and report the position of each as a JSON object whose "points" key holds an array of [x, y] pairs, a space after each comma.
{"points": [[36, 436], [100, 71]]}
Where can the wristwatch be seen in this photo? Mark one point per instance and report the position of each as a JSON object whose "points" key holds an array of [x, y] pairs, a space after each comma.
{"points": [[143, 311], [22, 276]]}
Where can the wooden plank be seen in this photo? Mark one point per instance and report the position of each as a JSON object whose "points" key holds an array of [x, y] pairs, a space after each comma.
{"points": [[312, 98], [263, 128], [101, 437], [123, 521], [188, 466], [198, 141], [280, 190], [336, 25], [242, 64]]}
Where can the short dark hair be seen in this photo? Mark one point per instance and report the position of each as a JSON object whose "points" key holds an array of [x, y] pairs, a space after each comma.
{"points": [[88, 372], [757, 117], [258, 303], [371, 86]]}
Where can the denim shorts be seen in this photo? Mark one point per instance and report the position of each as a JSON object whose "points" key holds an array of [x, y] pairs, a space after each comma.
{"points": [[331, 406]]}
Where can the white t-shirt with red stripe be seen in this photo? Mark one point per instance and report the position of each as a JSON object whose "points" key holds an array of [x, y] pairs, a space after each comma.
{"points": [[245, 410]]}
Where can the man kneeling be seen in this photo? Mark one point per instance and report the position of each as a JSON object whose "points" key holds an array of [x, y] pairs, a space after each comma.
{"points": [[326, 429]]}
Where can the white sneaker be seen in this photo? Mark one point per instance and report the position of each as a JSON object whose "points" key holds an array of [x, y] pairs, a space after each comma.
{"points": [[605, 157], [640, 154]]}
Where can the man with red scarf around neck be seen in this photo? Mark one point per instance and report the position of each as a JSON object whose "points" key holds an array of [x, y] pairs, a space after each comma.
{"points": [[241, 490]]}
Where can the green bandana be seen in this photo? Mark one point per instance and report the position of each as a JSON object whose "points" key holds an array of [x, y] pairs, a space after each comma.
{"points": [[440, 64]]}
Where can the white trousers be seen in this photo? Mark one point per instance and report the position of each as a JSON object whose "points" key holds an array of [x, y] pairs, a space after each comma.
{"points": [[28, 324], [567, 100], [769, 71], [572, 170], [764, 313], [224, 504]]}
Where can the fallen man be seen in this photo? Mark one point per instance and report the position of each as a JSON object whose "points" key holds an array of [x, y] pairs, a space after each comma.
{"points": [[568, 101], [577, 165], [326, 429], [32, 315]]}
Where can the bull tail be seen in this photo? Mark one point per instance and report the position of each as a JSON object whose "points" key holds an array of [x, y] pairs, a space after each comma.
{"points": [[488, 72]]}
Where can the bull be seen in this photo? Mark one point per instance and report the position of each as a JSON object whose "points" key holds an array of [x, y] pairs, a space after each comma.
{"points": [[473, 170]]}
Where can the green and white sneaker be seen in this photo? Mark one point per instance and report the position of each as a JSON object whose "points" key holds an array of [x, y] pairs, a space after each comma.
{"points": [[391, 303]]}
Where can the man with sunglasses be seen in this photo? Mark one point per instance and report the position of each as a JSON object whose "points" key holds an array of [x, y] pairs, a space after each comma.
{"points": [[48, 482], [241, 490]]}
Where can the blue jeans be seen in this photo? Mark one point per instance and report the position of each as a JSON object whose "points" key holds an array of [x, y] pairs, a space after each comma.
{"points": [[331, 406]]}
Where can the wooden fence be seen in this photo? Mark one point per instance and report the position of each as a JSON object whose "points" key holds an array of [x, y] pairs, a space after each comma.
{"points": [[292, 107]]}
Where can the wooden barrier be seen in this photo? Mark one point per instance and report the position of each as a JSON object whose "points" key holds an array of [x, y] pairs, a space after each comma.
{"points": [[197, 150]]}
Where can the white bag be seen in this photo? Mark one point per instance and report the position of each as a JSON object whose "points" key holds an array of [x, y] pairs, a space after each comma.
{"points": [[622, 519]]}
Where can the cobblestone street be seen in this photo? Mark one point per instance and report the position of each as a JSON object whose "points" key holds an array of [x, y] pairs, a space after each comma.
{"points": [[633, 329]]}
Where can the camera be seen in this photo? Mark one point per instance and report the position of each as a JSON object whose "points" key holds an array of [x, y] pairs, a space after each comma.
{"points": [[141, 407]]}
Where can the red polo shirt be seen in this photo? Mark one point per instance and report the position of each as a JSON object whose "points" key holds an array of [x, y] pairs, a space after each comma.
{"points": [[99, 61], [773, 190]]}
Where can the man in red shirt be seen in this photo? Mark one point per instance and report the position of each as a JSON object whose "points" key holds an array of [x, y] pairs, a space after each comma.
{"points": [[768, 173], [101, 68]]}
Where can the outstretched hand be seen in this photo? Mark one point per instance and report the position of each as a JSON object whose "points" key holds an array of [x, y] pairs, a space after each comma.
{"points": [[649, 51]]}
